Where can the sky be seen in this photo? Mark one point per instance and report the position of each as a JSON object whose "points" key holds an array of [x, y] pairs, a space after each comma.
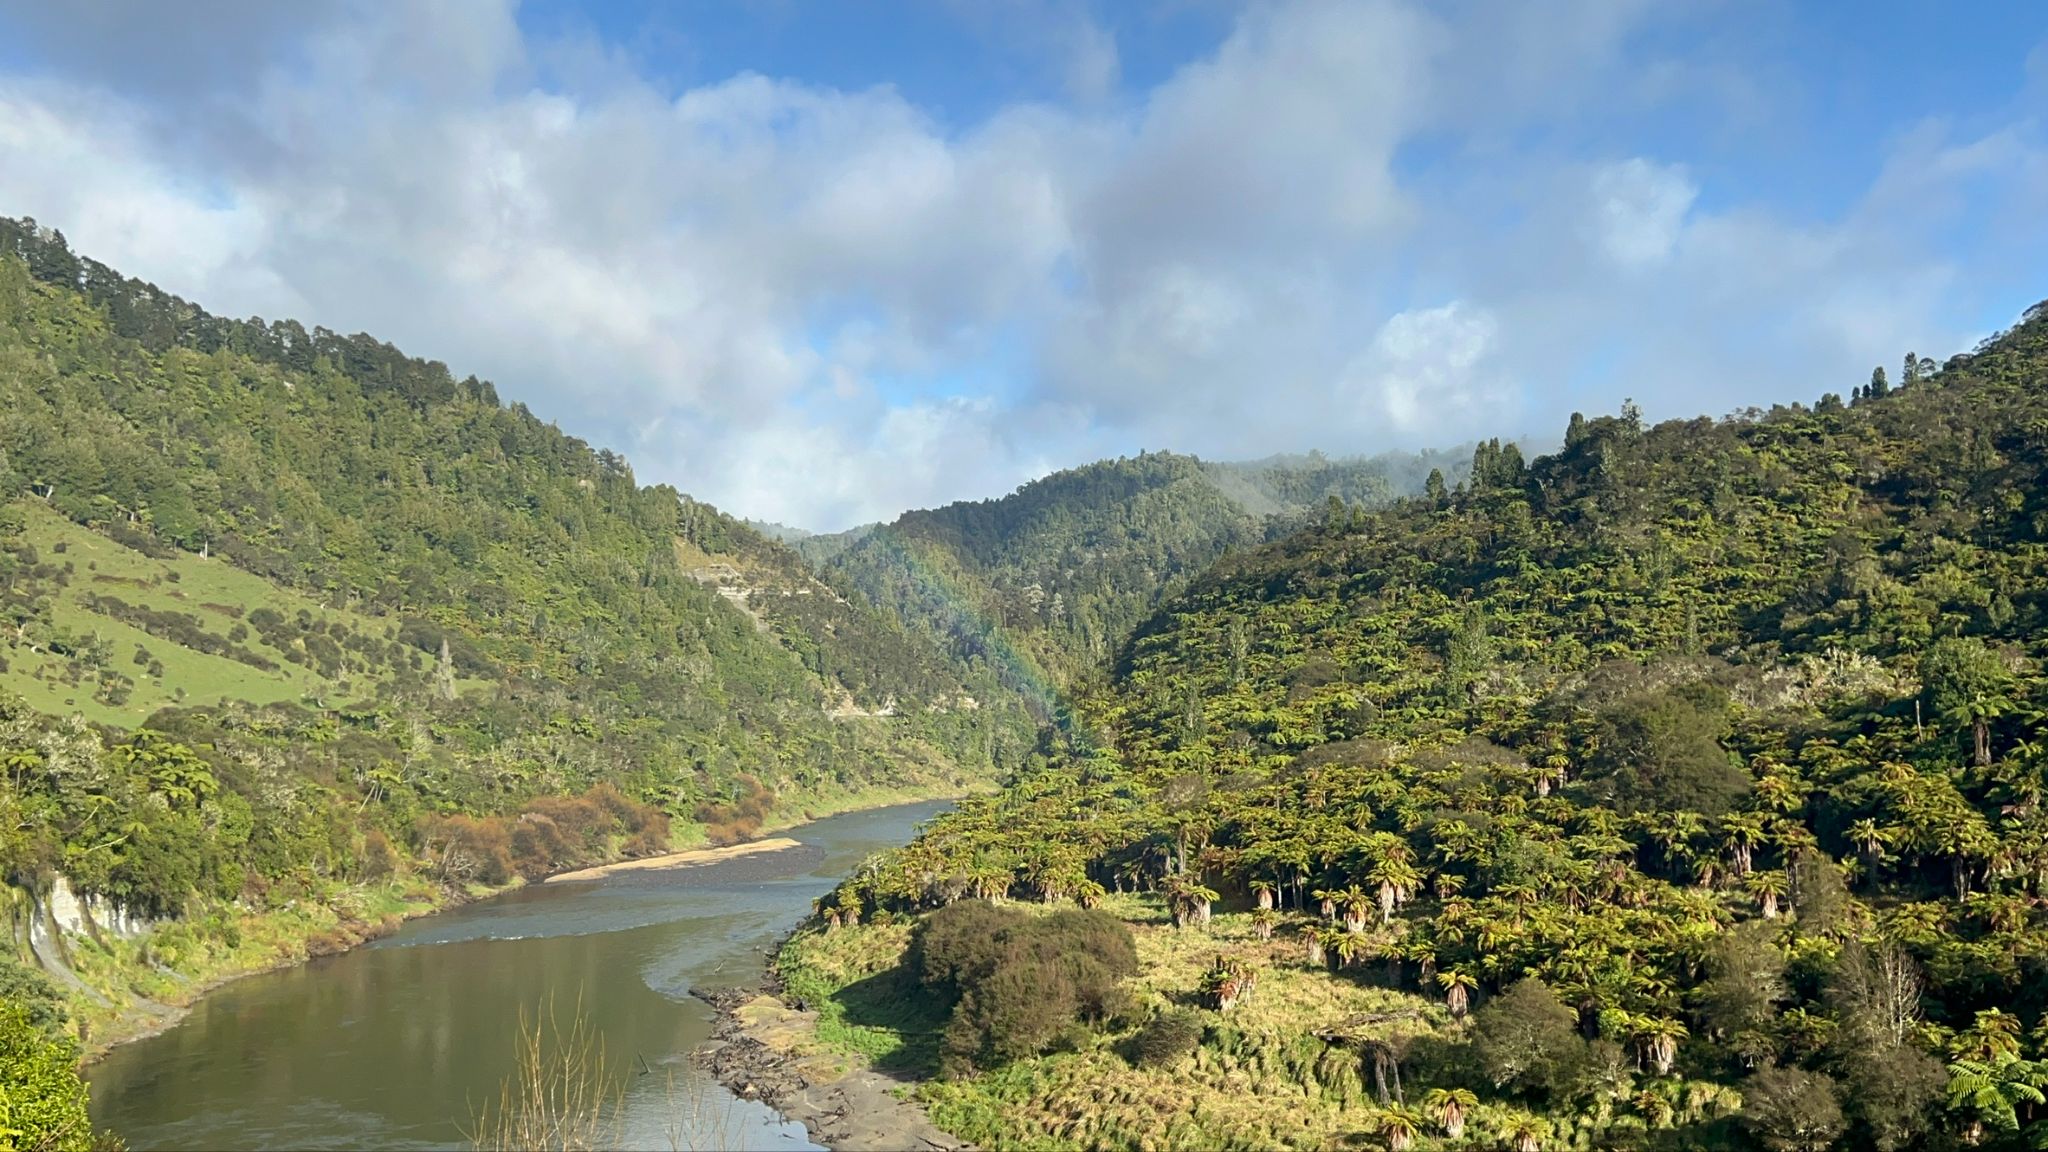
{"points": [[820, 262]]}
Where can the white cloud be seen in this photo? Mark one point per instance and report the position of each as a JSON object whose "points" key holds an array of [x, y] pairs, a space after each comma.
{"points": [[824, 306], [1093, 64], [1427, 370], [1640, 209]]}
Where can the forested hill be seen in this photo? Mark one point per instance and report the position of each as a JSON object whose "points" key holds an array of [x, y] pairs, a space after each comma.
{"points": [[1686, 785], [1043, 584], [1293, 490], [211, 526]]}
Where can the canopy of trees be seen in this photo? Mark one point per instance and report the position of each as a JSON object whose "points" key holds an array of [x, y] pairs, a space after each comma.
{"points": [[1704, 759]]}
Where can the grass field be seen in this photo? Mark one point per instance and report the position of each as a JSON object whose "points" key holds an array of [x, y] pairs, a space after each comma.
{"points": [[1261, 1078], [162, 670]]}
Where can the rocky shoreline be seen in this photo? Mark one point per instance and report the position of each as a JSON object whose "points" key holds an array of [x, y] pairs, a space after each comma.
{"points": [[763, 1049]]}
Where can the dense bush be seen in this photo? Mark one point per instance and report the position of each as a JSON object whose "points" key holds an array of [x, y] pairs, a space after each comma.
{"points": [[42, 1099], [1018, 980], [468, 847], [549, 834], [740, 817]]}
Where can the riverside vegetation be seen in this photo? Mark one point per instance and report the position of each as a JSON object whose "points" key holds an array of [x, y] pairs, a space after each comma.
{"points": [[300, 635], [1681, 788]]}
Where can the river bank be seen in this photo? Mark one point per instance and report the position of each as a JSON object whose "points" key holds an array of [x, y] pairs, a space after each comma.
{"points": [[397, 1043], [156, 997], [132, 989], [764, 1049]]}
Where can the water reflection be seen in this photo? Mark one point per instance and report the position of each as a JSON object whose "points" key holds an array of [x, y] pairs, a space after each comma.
{"points": [[401, 1044]]}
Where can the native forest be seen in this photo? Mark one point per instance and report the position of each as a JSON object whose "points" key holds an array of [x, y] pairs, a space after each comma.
{"points": [[1661, 787]]}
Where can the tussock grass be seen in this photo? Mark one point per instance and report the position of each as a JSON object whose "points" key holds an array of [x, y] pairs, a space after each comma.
{"points": [[1260, 1079], [561, 1097], [564, 1096]]}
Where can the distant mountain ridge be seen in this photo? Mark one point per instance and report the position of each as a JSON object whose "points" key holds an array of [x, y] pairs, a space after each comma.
{"points": [[1042, 584], [780, 533]]}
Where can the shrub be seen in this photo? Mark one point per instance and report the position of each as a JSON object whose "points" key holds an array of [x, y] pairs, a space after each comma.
{"points": [[1663, 750], [1167, 1038], [1790, 1110], [1526, 1038], [469, 848], [739, 819], [38, 999], [1019, 981], [379, 858], [42, 1100], [538, 845]]}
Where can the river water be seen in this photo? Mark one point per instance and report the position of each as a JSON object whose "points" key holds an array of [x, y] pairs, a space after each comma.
{"points": [[400, 1044]]}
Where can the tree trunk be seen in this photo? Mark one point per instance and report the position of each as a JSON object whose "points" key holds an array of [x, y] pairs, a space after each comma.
{"points": [[1981, 730]]}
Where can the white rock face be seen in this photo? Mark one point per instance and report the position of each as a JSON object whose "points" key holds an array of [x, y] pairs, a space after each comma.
{"points": [[69, 910]]}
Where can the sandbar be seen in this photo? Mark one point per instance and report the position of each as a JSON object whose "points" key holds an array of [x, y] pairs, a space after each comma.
{"points": [[685, 859]]}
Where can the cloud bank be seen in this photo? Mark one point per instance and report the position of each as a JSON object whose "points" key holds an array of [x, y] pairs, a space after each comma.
{"points": [[1350, 226]]}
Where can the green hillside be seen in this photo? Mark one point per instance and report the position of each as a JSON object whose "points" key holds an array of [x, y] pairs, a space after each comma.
{"points": [[1683, 788], [288, 618], [115, 634], [1041, 585], [336, 478]]}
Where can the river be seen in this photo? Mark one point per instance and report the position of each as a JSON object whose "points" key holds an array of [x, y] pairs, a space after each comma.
{"points": [[400, 1043]]}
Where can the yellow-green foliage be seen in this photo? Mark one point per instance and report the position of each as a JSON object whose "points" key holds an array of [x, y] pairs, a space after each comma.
{"points": [[1261, 1079]]}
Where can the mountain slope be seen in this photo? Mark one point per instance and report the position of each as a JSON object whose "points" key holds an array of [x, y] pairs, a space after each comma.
{"points": [[1042, 584], [1700, 764], [294, 626], [371, 486]]}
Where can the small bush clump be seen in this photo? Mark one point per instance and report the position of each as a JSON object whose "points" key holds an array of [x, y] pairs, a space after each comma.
{"points": [[1167, 1038], [1019, 982]]}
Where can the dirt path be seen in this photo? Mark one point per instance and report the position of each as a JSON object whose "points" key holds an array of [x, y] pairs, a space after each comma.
{"points": [[763, 1051]]}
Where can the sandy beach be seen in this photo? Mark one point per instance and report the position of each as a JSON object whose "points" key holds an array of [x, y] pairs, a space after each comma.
{"points": [[685, 859]]}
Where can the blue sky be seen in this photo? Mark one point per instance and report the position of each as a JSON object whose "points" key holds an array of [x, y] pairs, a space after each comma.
{"points": [[959, 60], [821, 262]]}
